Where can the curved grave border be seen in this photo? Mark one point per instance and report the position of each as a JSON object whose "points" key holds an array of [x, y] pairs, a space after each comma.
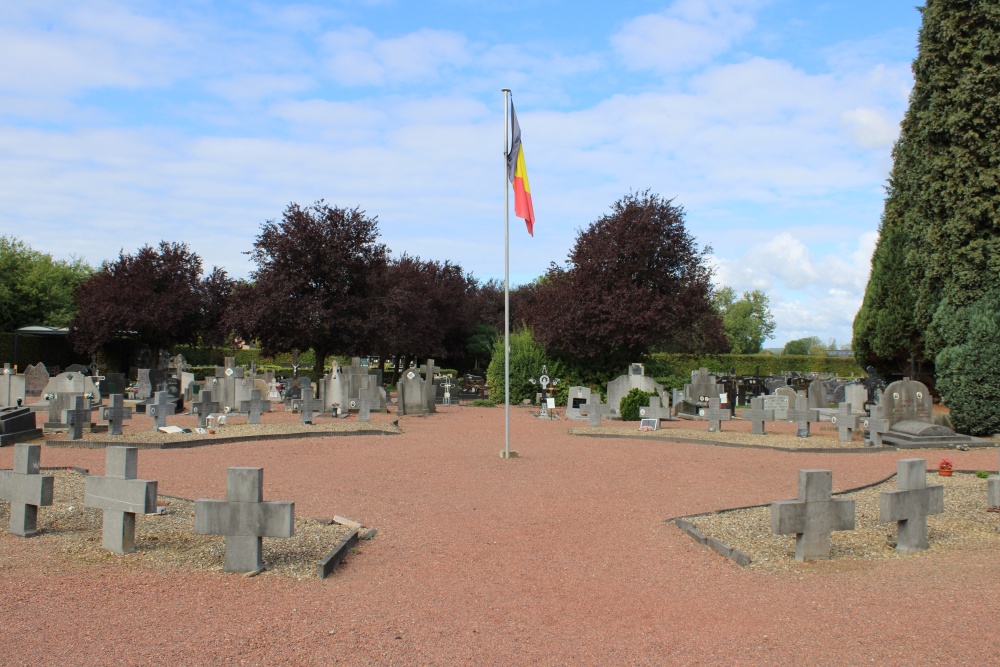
{"points": [[736, 445], [205, 442]]}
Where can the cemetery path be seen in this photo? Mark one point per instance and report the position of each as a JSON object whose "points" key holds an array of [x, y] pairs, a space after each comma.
{"points": [[559, 557]]}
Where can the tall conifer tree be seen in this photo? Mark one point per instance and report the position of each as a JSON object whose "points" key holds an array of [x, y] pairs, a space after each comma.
{"points": [[939, 245]]}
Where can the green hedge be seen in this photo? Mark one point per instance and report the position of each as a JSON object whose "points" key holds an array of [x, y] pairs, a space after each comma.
{"points": [[681, 365]]}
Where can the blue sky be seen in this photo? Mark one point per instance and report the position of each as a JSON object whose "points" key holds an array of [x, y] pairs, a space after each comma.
{"points": [[770, 121]]}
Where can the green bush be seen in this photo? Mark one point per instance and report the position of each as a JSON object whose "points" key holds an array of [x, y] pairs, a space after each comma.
{"points": [[632, 401], [483, 403], [982, 474], [526, 360]]}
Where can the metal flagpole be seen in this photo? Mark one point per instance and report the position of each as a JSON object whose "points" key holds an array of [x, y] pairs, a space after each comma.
{"points": [[506, 276]]}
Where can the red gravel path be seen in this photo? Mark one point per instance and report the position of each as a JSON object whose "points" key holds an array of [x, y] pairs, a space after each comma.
{"points": [[559, 557]]}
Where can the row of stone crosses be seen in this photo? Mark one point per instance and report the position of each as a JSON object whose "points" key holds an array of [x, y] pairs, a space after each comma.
{"points": [[72, 397], [243, 517], [903, 415], [814, 514]]}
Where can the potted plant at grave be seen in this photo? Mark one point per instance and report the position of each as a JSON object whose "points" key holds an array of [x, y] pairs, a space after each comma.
{"points": [[945, 467]]}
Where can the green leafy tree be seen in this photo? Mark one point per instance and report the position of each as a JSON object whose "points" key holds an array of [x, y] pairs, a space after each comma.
{"points": [[481, 342], [527, 356], [36, 289], [802, 346], [968, 367], [746, 322], [939, 235]]}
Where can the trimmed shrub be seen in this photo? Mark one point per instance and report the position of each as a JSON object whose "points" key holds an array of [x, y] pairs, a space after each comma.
{"points": [[632, 401]]}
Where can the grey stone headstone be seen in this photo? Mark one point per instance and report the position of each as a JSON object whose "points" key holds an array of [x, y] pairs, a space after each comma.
{"points": [[857, 395], [846, 420], [160, 410], [410, 390], [802, 415], [144, 384], [77, 417], [244, 518], [716, 414], [255, 407], [121, 496], [633, 379], [13, 387], [25, 489], [654, 410], [813, 515], [906, 400], [116, 414], [702, 387], [576, 397], [817, 395], [910, 504], [36, 378], [778, 405], [758, 415]]}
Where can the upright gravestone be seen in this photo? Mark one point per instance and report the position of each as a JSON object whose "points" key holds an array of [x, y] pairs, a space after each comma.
{"points": [[906, 400], [144, 384], [429, 391], [17, 424], [817, 395], [13, 388], [910, 504], [654, 410], [595, 410], [244, 518], [576, 397], [635, 378], [116, 414], [25, 489], [703, 386], [757, 415], [230, 385], [993, 494], [410, 390], [204, 407], [35, 379], [365, 407], [856, 394], [813, 515], [160, 410], [121, 496], [846, 421], [255, 407]]}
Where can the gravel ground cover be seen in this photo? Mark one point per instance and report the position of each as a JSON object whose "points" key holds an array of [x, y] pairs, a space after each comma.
{"points": [[167, 540], [558, 557], [966, 524], [820, 439]]}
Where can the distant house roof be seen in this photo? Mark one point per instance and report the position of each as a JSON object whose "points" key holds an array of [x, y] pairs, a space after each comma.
{"points": [[40, 330]]}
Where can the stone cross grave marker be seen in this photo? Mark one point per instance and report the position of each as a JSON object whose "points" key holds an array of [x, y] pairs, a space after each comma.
{"points": [[25, 489], [121, 496], [244, 518], [429, 390], [910, 504], [802, 414], [160, 409], [593, 409], [876, 425], [845, 421], [365, 406], [116, 414], [654, 410], [813, 515], [306, 406], [757, 415], [77, 417], [716, 414], [204, 407], [254, 407]]}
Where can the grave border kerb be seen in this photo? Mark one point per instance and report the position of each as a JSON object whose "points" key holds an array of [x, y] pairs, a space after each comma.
{"points": [[205, 442], [736, 445], [738, 556]]}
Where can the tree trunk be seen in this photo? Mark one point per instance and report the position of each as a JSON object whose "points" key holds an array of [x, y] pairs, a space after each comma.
{"points": [[320, 363]]}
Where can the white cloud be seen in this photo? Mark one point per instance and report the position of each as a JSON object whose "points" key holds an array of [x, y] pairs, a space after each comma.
{"points": [[870, 127], [358, 57], [688, 34]]}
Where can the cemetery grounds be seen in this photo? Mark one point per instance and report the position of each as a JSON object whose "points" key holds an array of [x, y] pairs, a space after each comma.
{"points": [[561, 556]]}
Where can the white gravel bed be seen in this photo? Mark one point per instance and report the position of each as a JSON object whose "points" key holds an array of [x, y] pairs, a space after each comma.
{"points": [[744, 438], [167, 540], [965, 524]]}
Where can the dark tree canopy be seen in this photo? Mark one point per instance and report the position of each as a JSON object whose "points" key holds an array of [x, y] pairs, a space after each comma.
{"points": [[635, 282], [154, 295], [940, 231], [314, 274], [34, 288]]}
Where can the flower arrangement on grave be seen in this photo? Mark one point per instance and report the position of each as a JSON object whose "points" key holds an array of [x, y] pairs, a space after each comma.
{"points": [[946, 464], [645, 428]]}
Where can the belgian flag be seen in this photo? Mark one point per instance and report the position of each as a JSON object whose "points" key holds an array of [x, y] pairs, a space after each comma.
{"points": [[517, 172]]}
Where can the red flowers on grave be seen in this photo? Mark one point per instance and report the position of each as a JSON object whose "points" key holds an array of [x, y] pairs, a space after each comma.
{"points": [[945, 467]]}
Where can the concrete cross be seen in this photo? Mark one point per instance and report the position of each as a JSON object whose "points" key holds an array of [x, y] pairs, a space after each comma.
{"points": [[160, 409], [77, 417], [365, 407], [802, 414], [993, 493], [306, 407], [204, 407], [654, 410], [910, 504], [25, 489], [121, 496], [716, 415], [876, 425], [757, 415], [116, 414], [429, 369], [244, 518], [594, 409], [813, 515], [255, 406], [305, 386], [845, 421]]}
